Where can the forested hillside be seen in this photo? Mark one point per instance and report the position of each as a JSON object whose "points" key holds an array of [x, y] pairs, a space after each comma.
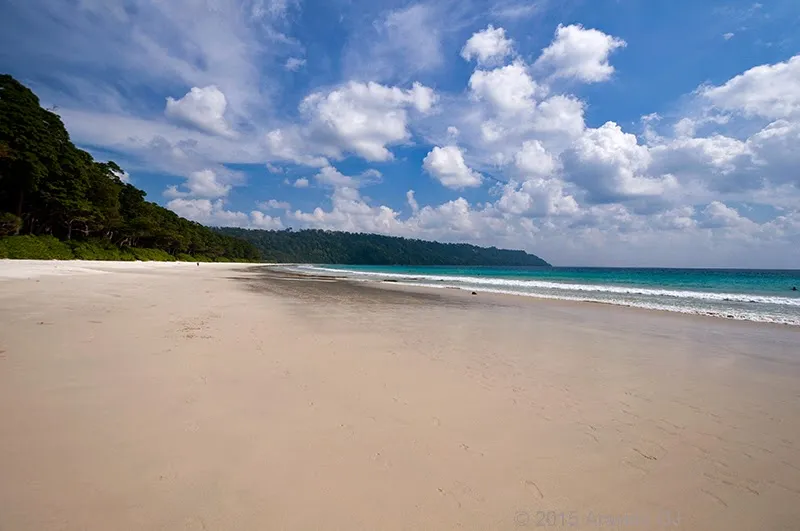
{"points": [[330, 247], [56, 201]]}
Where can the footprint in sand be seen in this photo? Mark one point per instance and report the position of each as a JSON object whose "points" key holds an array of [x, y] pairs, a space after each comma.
{"points": [[645, 455], [530, 485]]}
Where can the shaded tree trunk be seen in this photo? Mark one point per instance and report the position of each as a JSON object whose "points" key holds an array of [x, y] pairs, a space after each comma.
{"points": [[20, 203]]}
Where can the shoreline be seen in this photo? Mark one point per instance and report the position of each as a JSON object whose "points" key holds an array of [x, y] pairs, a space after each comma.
{"points": [[524, 298], [56, 267]]}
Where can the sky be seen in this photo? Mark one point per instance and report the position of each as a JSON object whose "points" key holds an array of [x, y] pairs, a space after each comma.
{"points": [[602, 132]]}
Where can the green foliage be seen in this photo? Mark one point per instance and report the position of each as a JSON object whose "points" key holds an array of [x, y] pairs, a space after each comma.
{"points": [[50, 187], [152, 255], [9, 223], [100, 250], [329, 247], [34, 248], [51, 248]]}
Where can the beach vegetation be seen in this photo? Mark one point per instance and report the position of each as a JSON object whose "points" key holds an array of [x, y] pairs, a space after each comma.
{"points": [[51, 191]]}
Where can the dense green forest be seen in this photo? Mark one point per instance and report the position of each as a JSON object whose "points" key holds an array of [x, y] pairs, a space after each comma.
{"points": [[56, 201], [329, 247]]}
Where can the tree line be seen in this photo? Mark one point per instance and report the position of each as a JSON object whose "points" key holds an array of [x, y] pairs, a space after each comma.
{"points": [[51, 190], [333, 247]]}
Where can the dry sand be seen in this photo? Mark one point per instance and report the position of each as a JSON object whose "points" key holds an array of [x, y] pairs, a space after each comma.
{"points": [[149, 396]]}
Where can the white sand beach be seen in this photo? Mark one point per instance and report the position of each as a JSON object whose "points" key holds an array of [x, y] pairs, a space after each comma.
{"points": [[150, 396]]}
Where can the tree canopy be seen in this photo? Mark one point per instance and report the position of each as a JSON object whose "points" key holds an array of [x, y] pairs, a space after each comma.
{"points": [[50, 187], [330, 247]]}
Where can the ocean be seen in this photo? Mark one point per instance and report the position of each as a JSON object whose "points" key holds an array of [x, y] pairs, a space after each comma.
{"points": [[749, 295]]}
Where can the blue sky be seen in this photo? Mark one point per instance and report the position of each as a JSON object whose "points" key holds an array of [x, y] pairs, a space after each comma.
{"points": [[606, 132]]}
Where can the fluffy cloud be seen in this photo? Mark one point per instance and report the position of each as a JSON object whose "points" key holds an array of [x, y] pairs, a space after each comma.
{"points": [[719, 215], [711, 160], [359, 118], [259, 220], [446, 164], [767, 91], [612, 166], [560, 118], [533, 159], [204, 183], [509, 88], [775, 155], [487, 45], [203, 108], [330, 176], [214, 213], [724, 164], [350, 213], [537, 197], [450, 221], [291, 145], [507, 108], [580, 54]]}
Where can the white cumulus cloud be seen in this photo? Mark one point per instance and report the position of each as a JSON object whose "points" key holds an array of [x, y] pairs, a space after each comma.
{"points": [[580, 54], [203, 108], [509, 88], [203, 183], [533, 159], [612, 166], [214, 213], [768, 91], [359, 118], [488, 45], [447, 165]]}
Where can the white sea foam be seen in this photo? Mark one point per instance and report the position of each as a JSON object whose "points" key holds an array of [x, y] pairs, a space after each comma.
{"points": [[489, 282], [727, 313]]}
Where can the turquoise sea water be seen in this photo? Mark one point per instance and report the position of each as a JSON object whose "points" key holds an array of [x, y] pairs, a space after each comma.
{"points": [[753, 295]]}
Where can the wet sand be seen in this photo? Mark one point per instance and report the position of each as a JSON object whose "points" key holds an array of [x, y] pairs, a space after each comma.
{"points": [[171, 396]]}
